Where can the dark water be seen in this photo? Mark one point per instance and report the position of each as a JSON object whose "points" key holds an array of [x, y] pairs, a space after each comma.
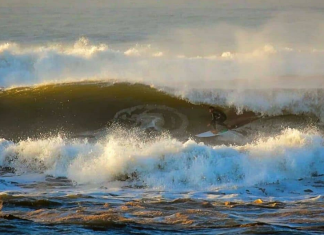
{"points": [[57, 206]]}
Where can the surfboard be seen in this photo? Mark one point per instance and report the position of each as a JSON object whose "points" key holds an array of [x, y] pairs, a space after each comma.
{"points": [[209, 134], [206, 134]]}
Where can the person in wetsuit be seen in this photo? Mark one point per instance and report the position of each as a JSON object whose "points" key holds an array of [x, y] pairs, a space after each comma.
{"points": [[218, 119]]}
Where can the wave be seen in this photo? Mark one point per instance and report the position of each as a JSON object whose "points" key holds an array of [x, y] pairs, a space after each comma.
{"points": [[164, 162], [75, 108], [87, 109], [270, 80]]}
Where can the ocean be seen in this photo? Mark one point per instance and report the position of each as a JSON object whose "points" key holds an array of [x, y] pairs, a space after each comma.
{"points": [[101, 102]]}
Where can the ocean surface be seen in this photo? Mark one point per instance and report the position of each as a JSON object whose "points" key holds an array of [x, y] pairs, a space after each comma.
{"points": [[100, 102]]}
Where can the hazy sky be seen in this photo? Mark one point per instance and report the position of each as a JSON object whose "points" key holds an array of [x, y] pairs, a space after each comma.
{"points": [[137, 21]]}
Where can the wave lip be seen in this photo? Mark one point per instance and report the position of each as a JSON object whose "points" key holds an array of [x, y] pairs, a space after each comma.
{"points": [[265, 101]]}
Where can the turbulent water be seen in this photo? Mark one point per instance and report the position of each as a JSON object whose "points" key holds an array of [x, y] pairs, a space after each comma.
{"points": [[99, 113]]}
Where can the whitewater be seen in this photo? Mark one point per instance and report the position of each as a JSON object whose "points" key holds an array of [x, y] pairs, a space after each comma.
{"points": [[101, 102]]}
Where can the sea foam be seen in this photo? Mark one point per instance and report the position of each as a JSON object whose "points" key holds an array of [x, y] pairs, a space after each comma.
{"points": [[163, 162]]}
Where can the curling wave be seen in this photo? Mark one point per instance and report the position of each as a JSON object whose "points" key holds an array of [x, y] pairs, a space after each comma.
{"points": [[270, 80]]}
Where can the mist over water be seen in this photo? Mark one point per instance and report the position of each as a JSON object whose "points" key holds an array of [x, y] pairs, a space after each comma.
{"points": [[267, 80]]}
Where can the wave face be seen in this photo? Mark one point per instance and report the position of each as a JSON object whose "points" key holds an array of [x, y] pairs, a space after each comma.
{"points": [[75, 108], [163, 162], [269, 80]]}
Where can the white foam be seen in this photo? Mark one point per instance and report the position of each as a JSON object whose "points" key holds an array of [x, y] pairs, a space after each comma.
{"points": [[166, 163]]}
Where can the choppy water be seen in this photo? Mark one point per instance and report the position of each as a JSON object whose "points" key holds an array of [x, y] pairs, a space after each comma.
{"points": [[101, 101]]}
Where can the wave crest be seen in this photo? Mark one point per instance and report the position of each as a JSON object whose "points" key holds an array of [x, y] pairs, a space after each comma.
{"points": [[268, 79]]}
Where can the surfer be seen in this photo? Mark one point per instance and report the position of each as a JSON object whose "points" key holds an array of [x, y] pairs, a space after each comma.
{"points": [[217, 121]]}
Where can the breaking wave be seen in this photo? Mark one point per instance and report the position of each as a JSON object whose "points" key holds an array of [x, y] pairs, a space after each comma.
{"points": [[164, 162], [270, 80]]}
